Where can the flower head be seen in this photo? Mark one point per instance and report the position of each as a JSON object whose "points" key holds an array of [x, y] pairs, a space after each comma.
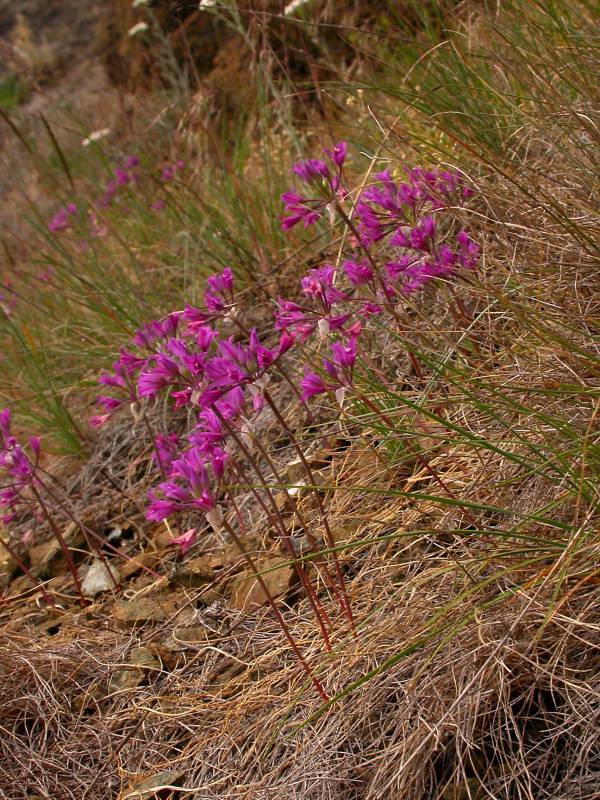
{"points": [[311, 384]]}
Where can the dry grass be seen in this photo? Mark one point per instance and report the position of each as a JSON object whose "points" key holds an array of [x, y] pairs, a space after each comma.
{"points": [[474, 672], [502, 705]]}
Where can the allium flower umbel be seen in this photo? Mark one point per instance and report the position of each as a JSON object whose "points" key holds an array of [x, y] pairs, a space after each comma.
{"points": [[220, 379], [324, 183], [17, 467], [403, 237]]}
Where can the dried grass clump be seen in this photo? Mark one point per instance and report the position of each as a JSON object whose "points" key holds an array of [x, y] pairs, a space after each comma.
{"points": [[506, 707]]}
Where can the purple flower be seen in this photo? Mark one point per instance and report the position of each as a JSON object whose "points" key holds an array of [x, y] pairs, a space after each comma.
{"points": [[338, 154], [299, 210], [468, 250], [369, 309], [188, 487], [160, 375], [311, 170], [311, 384], [98, 420], [122, 177], [318, 283], [108, 403], [314, 172], [185, 540], [165, 451], [261, 356], [60, 221], [445, 261], [219, 291], [167, 173], [357, 273], [19, 467], [5, 422], [156, 330], [222, 283], [344, 355], [194, 317], [158, 508], [290, 317], [396, 269]]}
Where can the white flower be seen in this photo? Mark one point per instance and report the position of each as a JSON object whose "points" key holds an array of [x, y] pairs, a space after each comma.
{"points": [[231, 315], [139, 27], [138, 3], [323, 326], [296, 488], [207, 3], [340, 395], [95, 136], [291, 7]]}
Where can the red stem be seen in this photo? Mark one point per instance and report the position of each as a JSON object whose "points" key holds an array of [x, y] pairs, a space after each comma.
{"points": [[26, 572], [61, 542], [280, 618], [345, 605], [300, 572]]}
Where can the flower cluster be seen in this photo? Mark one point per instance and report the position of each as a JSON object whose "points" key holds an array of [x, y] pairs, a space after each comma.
{"points": [[18, 467], [401, 241], [60, 221], [126, 176], [220, 380], [317, 175], [403, 237]]}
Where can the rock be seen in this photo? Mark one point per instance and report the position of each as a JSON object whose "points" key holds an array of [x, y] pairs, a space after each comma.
{"points": [[192, 634], [147, 787], [140, 659], [41, 555], [161, 538], [98, 578], [283, 502], [296, 472], [196, 571], [253, 543], [246, 592], [137, 562], [143, 657], [7, 567], [139, 611]]}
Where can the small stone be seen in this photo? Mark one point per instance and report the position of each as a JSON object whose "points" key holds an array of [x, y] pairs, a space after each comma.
{"points": [[143, 657], [247, 593], [161, 537], [140, 659], [197, 571], [147, 787], [41, 555], [7, 567], [139, 611], [296, 472], [138, 562], [100, 577]]}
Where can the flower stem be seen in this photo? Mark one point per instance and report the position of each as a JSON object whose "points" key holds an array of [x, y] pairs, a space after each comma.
{"points": [[280, 618], [26, 572], [344, 603], [61, 541]]}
